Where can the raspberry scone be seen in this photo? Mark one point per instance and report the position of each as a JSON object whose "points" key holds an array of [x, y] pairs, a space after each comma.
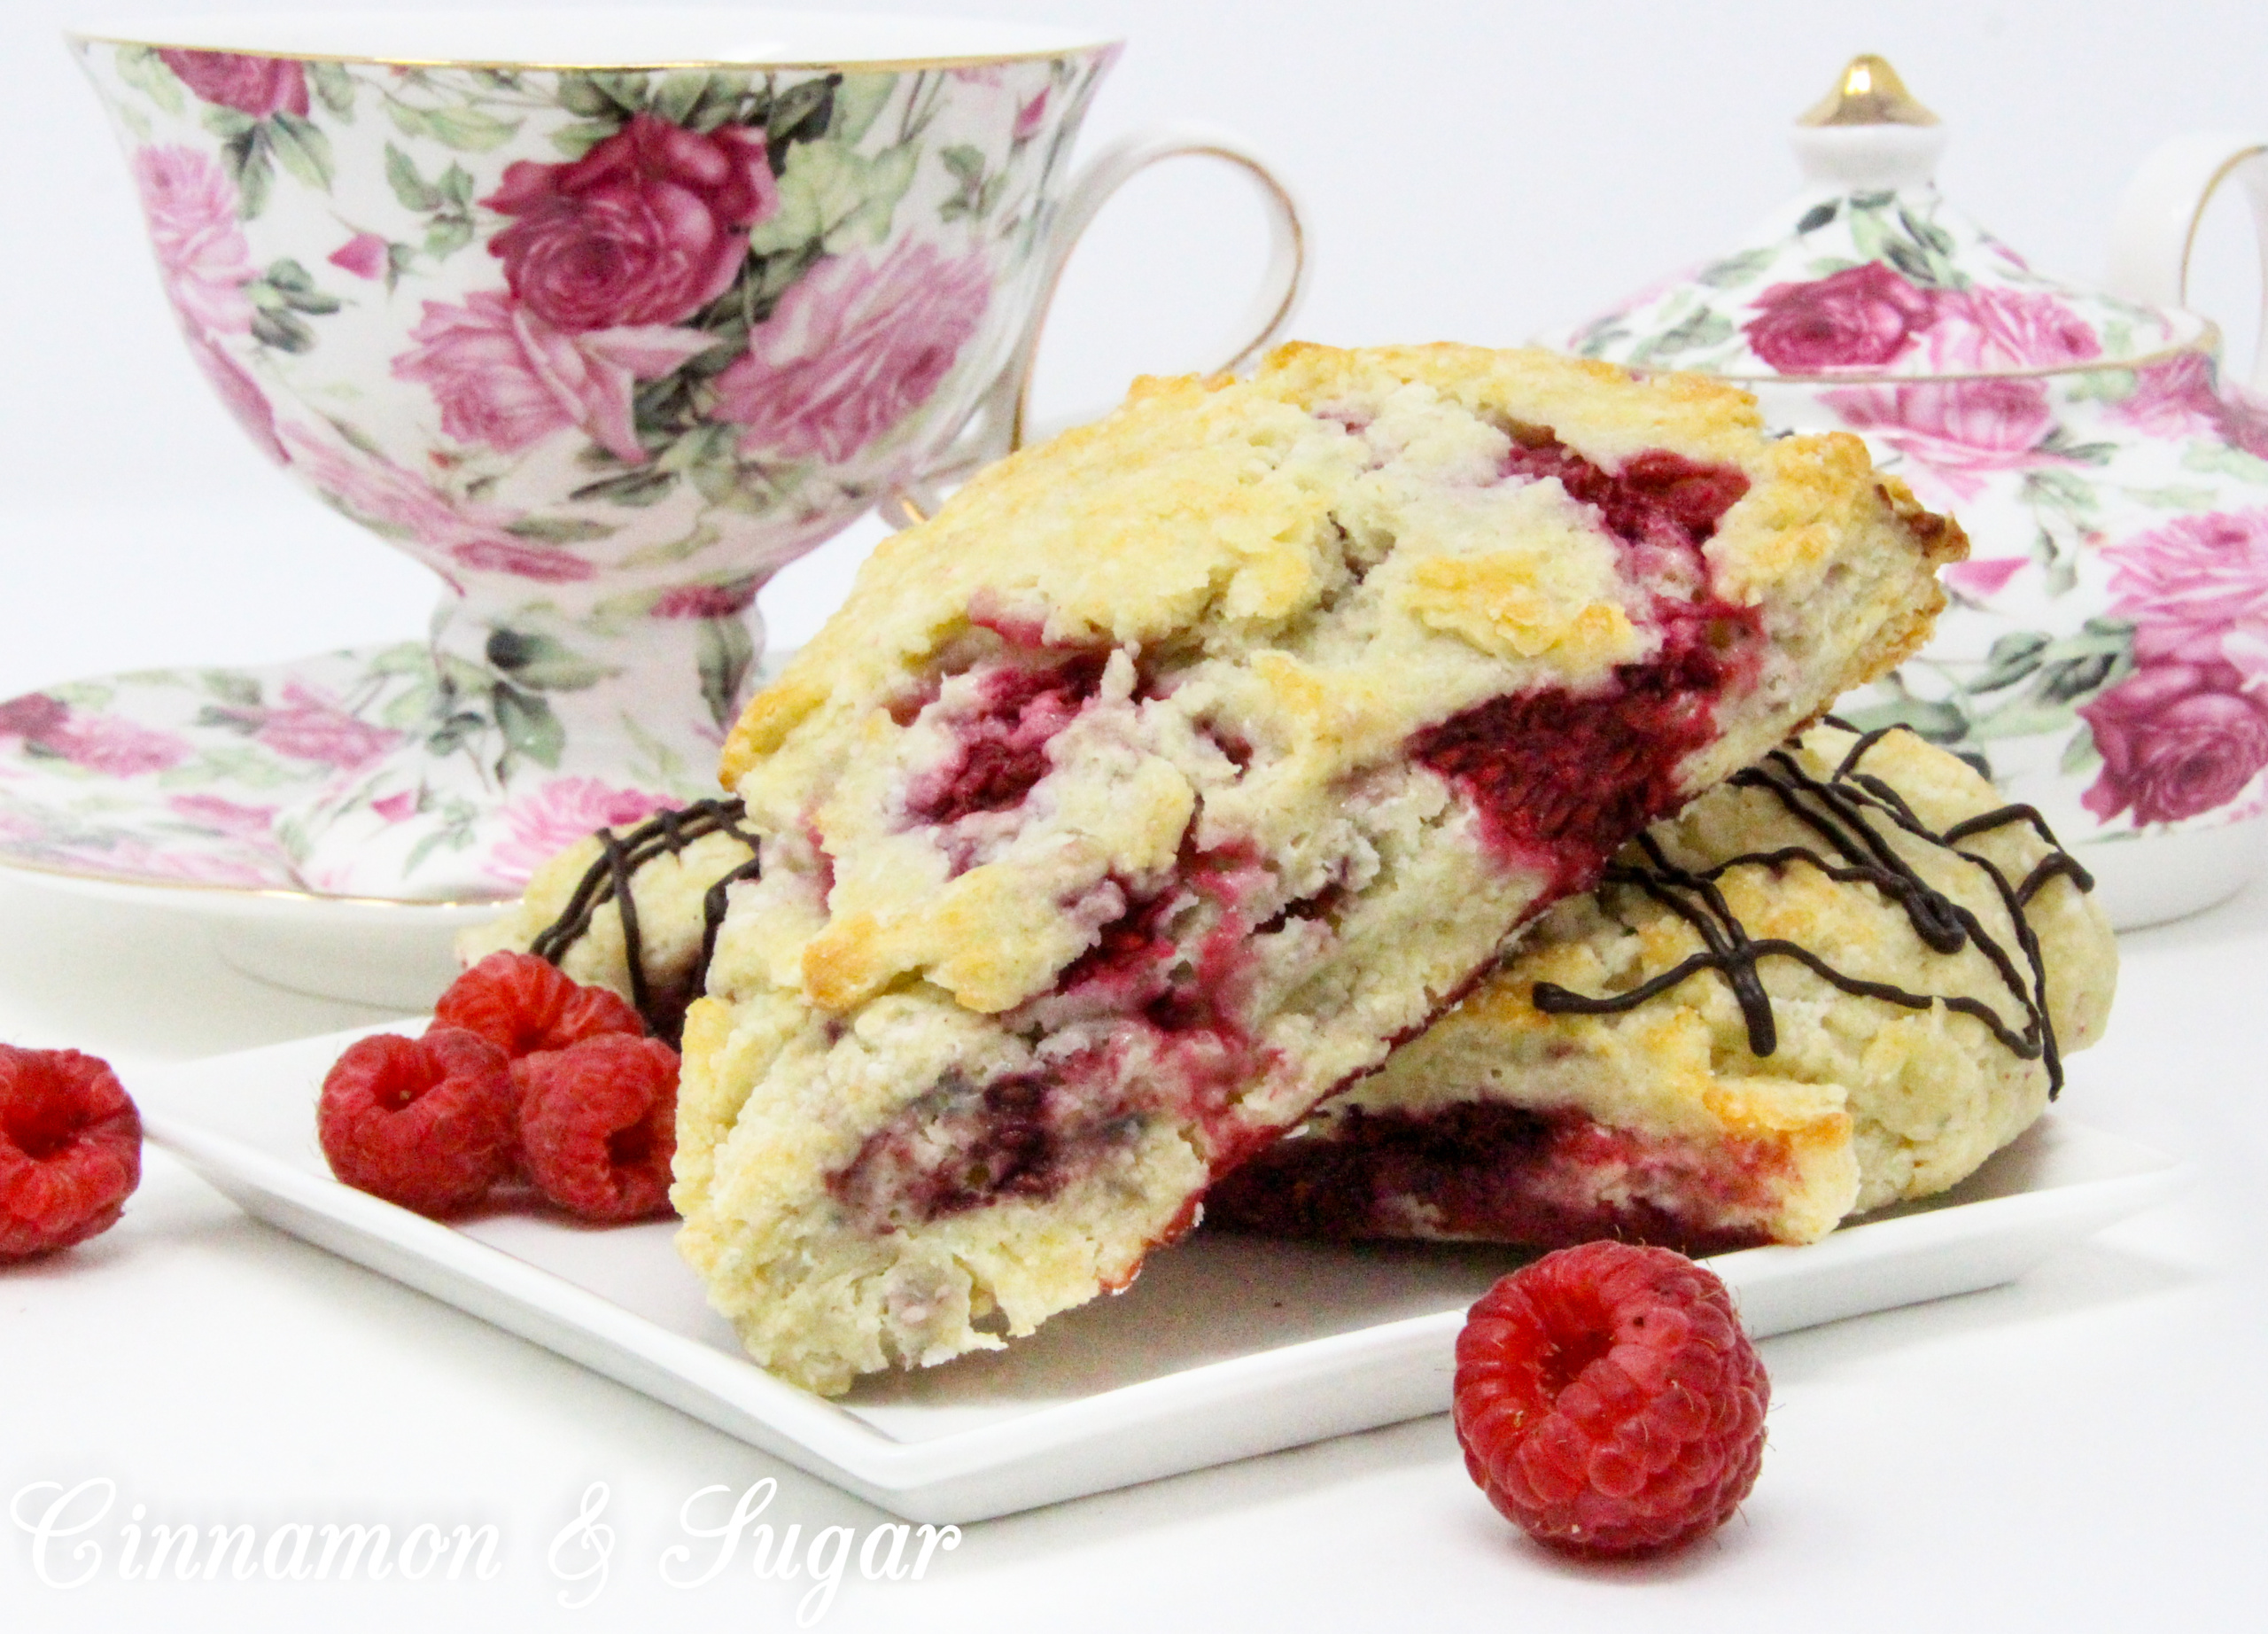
{"points": [[1156, 787], [632, 909], [1843, 979]]}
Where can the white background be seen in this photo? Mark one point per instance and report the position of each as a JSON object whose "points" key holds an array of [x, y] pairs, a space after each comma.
{"points": [[2082, 1452], [1478, 170]]}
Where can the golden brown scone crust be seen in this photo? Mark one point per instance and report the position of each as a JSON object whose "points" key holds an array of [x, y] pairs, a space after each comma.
{"points": [[938, 1093]]}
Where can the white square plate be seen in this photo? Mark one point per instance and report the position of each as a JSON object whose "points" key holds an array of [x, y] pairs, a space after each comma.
{"points": [[1227, 1346]]}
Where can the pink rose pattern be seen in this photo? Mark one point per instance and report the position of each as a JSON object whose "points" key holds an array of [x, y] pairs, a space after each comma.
{"points": [[850, 350], [1861, 317], [1973, 362], [613, 274], [240, 395], [1959, 432], [1986, 576], [1868, 315], [365, 255], [453, 535], [1903, 264], [2176, 741], [190, 209], [219, 816], [306, 725], [108, 744], [309, 725], [607, 259], [31, 717], [646, 228], [2182, 398], [705, 601], [2187, 731], [1989, 328], [164, 781], [259, 86], [206, 842], [562, 811], [2197, 591], [505, 377], [116, 747], [610, 265]]}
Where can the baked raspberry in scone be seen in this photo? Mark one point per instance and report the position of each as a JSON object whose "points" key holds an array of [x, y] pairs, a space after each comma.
{"points": [[1156, 787], [1843, 979]]}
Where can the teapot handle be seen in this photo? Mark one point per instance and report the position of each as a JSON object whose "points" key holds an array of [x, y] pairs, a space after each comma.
{"points": [[2155, 226]]}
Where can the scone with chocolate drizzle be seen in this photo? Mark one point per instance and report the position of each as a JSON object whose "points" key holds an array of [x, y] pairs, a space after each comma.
{"points": [[1841, 979], [1159, 784], [635, 908]]}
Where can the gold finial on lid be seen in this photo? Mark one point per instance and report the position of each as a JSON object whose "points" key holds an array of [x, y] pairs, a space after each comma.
{"points": [[1870, 93]]}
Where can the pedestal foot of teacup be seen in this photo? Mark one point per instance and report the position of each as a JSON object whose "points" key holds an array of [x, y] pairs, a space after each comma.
{"points": [[515, 740]]}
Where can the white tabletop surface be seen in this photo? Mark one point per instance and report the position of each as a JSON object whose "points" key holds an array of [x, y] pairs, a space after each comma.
{"points": [[2082, 1450], [2078, 1451]]}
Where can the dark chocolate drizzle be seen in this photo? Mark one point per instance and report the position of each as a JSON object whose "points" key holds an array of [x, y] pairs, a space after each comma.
{"points": [[1845, 811], [608, 880]]}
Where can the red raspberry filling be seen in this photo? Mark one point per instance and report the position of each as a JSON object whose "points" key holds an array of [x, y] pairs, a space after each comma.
{"points": [[70, 1150], [963, 1146], [1140, 964], [1607, 1402], [1127, 952], [1657, 497], [426, 1123], [1486, 1170], [1001, 751], [1176, 1046], [1560, 781], [598, 1125]]}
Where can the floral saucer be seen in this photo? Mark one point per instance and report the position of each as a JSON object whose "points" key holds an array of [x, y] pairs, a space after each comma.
{"points": [[176, 789]]}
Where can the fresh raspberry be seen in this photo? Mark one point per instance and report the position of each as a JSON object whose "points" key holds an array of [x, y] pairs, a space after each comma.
{"points": [[523, 1004], [426, 1123], [598, 1125], [70, 1150], [1607, 1400]]}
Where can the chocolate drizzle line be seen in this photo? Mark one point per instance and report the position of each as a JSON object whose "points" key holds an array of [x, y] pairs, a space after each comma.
{"points": [[1845, 810], [608, 880]]}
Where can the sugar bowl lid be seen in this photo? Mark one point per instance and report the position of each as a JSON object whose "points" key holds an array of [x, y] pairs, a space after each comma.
{"points": [[1869, 272]]}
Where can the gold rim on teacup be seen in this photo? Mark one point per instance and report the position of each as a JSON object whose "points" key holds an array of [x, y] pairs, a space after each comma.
{"points": [[257, 34]]}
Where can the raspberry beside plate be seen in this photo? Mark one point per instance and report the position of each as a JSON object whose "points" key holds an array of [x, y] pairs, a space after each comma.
{"points": [[1607, 1402], [70, 1150]]}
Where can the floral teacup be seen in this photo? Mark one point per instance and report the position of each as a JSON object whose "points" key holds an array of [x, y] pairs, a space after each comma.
{"points": [[2105, 657], [604, 316]]}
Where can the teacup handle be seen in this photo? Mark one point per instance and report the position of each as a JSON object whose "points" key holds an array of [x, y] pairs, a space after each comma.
{"points": [[1001, 421], [2155, 226]]}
